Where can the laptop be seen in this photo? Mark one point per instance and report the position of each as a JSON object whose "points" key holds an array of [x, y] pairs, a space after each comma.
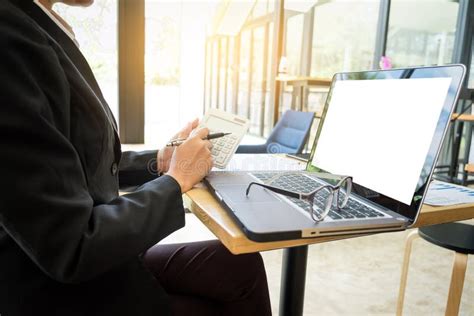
{"points": [[382, 128]]}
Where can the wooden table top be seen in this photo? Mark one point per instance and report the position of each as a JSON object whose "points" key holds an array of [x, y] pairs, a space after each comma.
{"points": [[201, 202], [310, 81], [463, 117]]}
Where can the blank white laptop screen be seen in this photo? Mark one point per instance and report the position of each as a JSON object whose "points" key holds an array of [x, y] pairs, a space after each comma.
{"points": [[379, 132]]}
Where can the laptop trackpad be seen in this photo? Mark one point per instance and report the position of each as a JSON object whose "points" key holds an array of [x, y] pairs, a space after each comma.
{"points": [[261, 211]]}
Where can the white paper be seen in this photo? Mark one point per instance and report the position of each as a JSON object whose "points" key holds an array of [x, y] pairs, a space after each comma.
{"points": [[443, 194]]}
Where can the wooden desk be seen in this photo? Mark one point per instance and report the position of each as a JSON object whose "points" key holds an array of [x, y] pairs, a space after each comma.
{"points": [[301, 84], [463, 117], [209, 211]]}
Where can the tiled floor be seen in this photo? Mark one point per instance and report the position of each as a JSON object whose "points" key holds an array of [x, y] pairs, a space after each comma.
{"points": [[361, 276]]}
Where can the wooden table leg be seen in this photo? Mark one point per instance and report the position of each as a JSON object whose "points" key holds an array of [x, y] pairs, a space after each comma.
{"points": [[403, 279], [293, 279], [457, 283]]}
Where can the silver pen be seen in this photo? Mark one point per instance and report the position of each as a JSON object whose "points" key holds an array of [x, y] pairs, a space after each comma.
{"points": [[179, 141]]}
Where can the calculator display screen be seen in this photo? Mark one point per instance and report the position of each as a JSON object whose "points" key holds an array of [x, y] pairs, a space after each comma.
{"points": [[219, 124]]}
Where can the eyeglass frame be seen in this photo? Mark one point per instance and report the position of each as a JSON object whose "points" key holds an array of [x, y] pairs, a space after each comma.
{"points": [[309, 197]]}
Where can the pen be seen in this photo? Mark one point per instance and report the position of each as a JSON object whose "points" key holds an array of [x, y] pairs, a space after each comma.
{"points": [[179, 141]]}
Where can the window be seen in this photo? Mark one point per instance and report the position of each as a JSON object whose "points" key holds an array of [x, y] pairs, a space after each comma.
{"points": [[231, 72], [293, 43], [292, 52], [262, 7], [215, 74], [257, 98], [244, 73], [470, 84], [414, 41], [344, 36], [223, 56], [174, 65], [268, 112], [240, 54], [95, 28]]}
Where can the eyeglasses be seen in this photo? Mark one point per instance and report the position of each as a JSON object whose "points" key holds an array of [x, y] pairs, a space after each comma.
{"points": [[321, 199]]}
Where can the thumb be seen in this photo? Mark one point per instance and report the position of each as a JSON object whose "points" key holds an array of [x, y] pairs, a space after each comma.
{"points": [[194, 123]]}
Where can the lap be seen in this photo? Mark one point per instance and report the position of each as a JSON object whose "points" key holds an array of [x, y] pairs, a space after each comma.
{"points": [[205, 268]]}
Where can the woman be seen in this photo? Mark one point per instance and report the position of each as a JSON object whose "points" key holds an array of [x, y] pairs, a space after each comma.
{"points": [[69, 245]]}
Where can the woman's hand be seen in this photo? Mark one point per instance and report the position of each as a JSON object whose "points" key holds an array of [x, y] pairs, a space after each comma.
{"points": [[164, 155], [191, 161]]}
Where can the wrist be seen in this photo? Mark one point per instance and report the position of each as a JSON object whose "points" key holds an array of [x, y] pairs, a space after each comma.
{"points": [[162, 161], [180, 180]]}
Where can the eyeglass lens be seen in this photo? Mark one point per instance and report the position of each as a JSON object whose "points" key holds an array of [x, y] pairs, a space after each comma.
{"points": [[322, 202], [325, 197], [344, 192]]}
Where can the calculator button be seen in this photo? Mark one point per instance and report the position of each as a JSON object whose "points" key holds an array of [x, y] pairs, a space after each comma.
{"points": [[225, 150], [220, 159]]}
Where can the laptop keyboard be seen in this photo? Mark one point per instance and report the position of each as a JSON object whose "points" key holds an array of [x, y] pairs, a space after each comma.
{"points": [[300, 183]]}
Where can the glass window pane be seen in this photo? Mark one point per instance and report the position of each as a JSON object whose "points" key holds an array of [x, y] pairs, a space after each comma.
{"points": [[230, 74], [271, 6], [175, 41], [293, 42], [260, 9], [208, 91], [234, 18], [244, 73], [96, 32], [268, 125], [256, 101], [429, 40], [470, 84], [215, 73], [162, 77], [344, 37], [222, 73]]}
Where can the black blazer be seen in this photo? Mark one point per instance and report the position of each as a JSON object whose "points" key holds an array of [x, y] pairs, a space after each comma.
{"points": [[69, 245]]}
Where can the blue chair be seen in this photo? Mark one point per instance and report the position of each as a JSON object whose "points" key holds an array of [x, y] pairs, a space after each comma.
{"points": [[288, 136]]}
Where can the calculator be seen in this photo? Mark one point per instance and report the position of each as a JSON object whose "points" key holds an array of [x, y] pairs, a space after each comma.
{"points": [[218, 121]]}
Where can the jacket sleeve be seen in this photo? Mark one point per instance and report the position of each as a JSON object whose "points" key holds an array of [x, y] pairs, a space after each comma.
{"points": [[137, 168], [45, 205]]}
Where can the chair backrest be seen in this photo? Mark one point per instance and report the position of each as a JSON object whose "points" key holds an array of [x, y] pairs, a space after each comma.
{"points": [[290, 133]]}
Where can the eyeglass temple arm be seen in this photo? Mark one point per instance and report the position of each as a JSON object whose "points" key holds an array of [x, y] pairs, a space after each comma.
{"points": [[274, 189]]}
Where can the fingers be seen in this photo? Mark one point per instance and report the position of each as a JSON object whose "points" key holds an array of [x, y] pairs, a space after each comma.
{"points": [[194, 123], [187, 129], [201, 133], [184, 133]]}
